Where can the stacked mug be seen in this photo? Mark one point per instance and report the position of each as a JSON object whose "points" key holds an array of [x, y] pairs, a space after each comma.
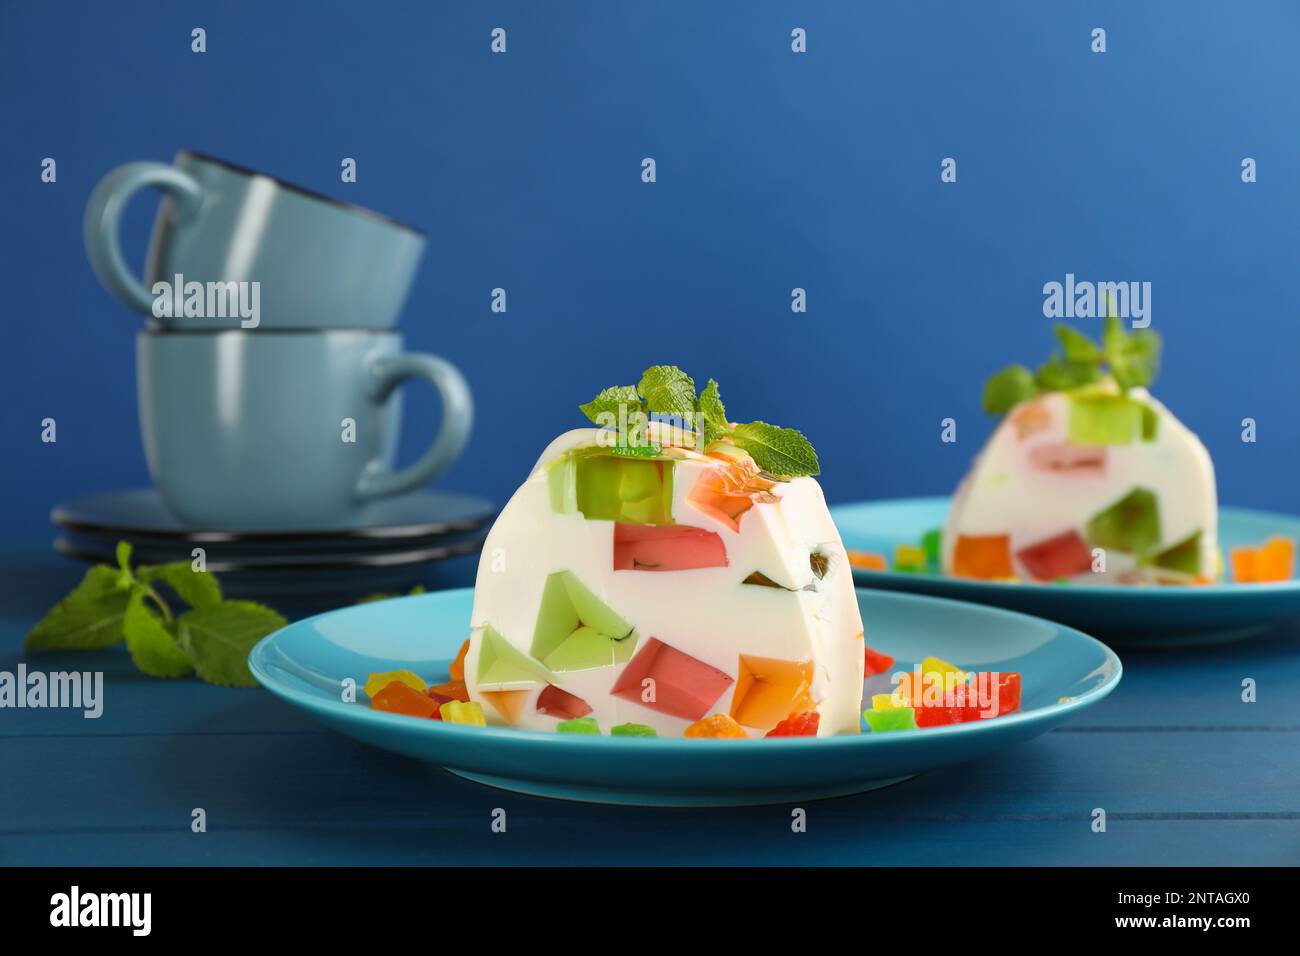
{"points": [[269, 368]]}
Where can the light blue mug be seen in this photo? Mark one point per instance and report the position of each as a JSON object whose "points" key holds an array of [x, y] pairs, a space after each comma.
{"points": [[286, 430], [231, 240]]}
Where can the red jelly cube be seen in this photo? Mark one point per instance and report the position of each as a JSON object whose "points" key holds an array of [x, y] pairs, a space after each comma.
{"points": [[666, 548], [1060, 557], [560, 703], [797, 725], [399, 698], [875, 662]]}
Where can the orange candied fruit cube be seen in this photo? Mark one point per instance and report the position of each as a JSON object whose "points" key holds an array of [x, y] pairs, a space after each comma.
{"points": [[453, 690], [457, 668], [867, 561], [399, 698], [983, 556], [715, 726], [1273, 561]]}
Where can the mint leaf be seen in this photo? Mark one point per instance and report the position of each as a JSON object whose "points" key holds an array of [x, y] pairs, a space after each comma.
{"points": [[668, 390], [711, 407], [1134, 357], [1008, 388], [1057, 375], [88, 619], [218, 639], [610, 401], [196, 588], [152, 645], [1078, 347], [781, 452]]}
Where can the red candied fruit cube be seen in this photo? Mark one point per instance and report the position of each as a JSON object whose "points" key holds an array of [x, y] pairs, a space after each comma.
{"points": [[875, 662], [400, 698], [798, 725]]}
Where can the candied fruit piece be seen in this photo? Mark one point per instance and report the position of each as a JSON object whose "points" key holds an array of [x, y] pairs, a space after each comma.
{"points": [[560, 703], [666, 548], [1131, 524], [678, 684], [767, 689], [987, 557], [933, 665], [715, 725], [889, 701], [578, 725], [460, 712], [378, 681], [885, 721], [908, 557], [457, 668], [632, 730], [1184, 557], [508, 703], [797, 725], [1086, 461], [1274, 561], [1061, 556], [397, 697], [932, 544], [867, 561], [452, 690], [875, 662]]}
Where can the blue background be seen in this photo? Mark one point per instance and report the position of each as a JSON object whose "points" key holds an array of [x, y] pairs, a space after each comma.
{"points": [[775, 170]]}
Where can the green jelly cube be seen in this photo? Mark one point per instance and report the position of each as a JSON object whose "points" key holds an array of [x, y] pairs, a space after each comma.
{"points": [[895, 718], [631, 490], [586, 648], [1104, 420], [503, 666], [569, 605], [1131, 524], [562, 484], [579, 725], [1150, 423], [1185, 556], [632, 730]]}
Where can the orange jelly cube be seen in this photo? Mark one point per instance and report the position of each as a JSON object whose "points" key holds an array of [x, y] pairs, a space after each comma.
{"points": [[457, 668], [982, 556], [453, 689], [398, 698], [715, 726]]}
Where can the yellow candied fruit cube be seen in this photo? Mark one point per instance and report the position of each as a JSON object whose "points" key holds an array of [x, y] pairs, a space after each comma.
{"points": [[459, 712], [378, 681], [932, 665], [909, 555], [889, 701]]}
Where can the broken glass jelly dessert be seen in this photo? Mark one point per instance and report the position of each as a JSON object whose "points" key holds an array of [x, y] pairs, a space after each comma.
{"points": [[660, 588]]}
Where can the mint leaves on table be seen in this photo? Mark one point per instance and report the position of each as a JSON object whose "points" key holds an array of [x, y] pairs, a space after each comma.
{"points": [[665, 392], [1131, 358], [115, 605]]}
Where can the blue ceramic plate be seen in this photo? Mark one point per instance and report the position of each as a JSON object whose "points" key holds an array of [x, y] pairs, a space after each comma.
{"points": [[305, 663], [1131, 616]]}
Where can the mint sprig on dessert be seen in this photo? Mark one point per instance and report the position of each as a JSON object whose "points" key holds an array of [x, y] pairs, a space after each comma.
{"points": [[667, 394], [1130, 358], [112, 605]]}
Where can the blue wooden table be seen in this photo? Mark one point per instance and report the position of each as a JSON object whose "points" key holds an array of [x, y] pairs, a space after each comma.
{"points": [[1186, 772]]}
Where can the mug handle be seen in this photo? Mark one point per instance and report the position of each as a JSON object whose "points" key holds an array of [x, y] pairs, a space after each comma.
{"points": [[104, 214], [389, 371]]}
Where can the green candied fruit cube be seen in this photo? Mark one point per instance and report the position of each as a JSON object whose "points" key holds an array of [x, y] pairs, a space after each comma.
{"points": [[579, 725], [932, 542], [1185, 556], [1105, 420], [631, 490], [632, 730], [895, 718], [1131, 524]]}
